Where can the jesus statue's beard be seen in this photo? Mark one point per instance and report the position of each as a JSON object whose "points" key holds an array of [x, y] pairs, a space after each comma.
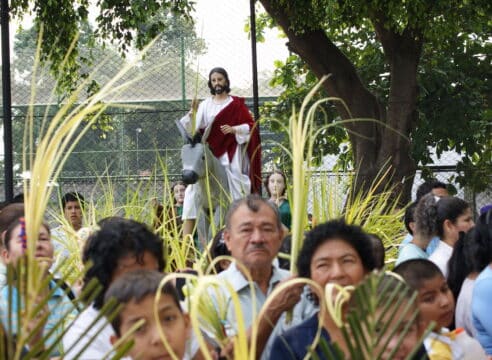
{"points": [[219, 89]]}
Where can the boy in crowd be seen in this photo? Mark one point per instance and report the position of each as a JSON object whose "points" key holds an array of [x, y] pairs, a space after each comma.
{"points": [[136, 293], [436, 304], [72, 205]]}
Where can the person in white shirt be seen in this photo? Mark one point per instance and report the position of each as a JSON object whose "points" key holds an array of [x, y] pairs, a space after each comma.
{"points": [[452, 216], [73, 206]]}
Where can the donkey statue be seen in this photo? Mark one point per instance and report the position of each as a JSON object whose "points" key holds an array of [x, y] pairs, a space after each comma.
{"points": [[203, 169]]}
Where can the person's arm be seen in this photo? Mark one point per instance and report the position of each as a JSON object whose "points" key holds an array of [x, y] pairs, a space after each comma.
{"points": [[241, 132], [482, 294], [270, 316], [186, 120]]}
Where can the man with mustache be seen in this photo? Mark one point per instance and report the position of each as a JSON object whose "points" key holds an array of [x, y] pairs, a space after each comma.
{"points": [[253, 235], [234, 139]]}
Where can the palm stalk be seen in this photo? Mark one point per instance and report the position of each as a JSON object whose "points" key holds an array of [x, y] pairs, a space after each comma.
{"points": [[301, 135], [43, 161]]}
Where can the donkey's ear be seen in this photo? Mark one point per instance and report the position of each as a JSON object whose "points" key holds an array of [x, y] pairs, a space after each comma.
{"points": [[184, 134], [197, 138]]}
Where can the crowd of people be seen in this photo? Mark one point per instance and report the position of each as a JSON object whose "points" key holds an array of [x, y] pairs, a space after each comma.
{"points": [[126, 259], [444, 265]]}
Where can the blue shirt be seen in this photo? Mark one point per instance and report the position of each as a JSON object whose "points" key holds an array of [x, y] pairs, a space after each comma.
{"points": [[430, 248], [61, 310], [481, 305], [294, 343], [410, 251]]}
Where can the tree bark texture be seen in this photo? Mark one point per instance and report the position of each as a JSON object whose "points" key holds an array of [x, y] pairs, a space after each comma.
{"points": [[374, 143]]}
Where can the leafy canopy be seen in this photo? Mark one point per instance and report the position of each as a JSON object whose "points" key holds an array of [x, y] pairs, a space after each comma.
{"points": [[452, 104], [124, 23]]}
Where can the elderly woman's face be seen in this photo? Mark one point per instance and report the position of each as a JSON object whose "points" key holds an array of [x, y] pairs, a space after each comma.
{"points": [[335, 261]]}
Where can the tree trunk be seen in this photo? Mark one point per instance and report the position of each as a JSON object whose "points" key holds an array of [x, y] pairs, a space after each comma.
{"points": [[374, 143]]}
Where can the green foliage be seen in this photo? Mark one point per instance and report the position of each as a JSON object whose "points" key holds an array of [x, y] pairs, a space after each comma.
{"points": [[454, 106], [435, 20], [127, 24], [297, 80], [453, 95]]}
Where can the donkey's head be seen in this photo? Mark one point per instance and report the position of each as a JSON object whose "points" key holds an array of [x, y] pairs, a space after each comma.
{"points": [[192, 156]]}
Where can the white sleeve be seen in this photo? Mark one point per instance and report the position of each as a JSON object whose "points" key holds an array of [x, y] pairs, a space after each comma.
{"points": [[80, 335], [242, 133]]}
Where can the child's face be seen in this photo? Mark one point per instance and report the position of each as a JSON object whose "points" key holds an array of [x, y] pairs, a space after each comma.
{"points": [[147, 342], [436, 302]]}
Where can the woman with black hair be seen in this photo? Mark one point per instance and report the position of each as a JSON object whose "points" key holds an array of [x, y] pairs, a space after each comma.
{"points": [[333, 252]]}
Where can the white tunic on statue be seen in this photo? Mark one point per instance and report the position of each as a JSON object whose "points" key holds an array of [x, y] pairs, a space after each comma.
{"points": [[237, 169]]}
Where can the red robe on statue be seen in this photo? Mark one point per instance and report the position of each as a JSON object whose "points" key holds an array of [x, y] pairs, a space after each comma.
{"points": [[237, 113]]}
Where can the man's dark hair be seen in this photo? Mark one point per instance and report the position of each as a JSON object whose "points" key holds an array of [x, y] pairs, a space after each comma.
{"points": [[409, 216], [222, 71], [428, 186], [253, 202], [377, 250], [135, 286], [117, 238], [335, 230], [416, 271], [73, 196]]}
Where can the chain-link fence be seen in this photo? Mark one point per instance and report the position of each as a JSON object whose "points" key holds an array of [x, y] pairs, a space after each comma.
{"points": [[144, 144], [137, 141]]}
